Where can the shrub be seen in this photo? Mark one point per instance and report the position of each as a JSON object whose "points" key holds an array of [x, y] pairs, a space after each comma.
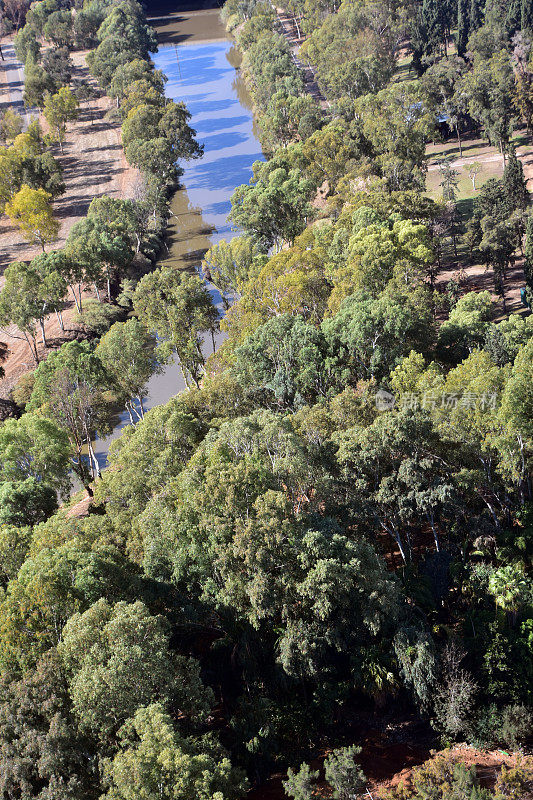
{"points": [[514, 783], [443, 778], [517, 725], [299, 785], [98, 317], [487, 726], [455, 696], [345, 777]]}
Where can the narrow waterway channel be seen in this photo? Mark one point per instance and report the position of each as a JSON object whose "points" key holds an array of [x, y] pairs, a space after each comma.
{"points": [[199, 61]]}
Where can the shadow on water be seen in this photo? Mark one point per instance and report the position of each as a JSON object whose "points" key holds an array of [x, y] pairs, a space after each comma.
{"points": [[200, 62]]}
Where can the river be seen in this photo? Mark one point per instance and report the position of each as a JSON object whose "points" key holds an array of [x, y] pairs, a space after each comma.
{"points": [[199, 60]]}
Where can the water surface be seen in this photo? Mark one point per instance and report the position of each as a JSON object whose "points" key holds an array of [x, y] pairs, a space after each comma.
{"points": [[200, 63]]}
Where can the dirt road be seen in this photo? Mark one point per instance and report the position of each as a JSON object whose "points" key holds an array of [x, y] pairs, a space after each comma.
{"points": [[93, 165]]}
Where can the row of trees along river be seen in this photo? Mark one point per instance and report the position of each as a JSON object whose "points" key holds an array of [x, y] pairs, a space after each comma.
{"points": [[200, 62]]}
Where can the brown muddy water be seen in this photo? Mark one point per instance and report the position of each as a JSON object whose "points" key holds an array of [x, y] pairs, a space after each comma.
{"points": [[200, 62]]}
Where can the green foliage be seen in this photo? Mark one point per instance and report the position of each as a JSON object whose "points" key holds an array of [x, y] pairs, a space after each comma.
{"points": [[369, 336], [443, 778], [517, 724], [466, 325], [124, 36], [97, 317], [488, 90], [117, 659], [34, 447], [155, 761], [41, 750], [58, 64], [275, 207], [58, 28], [38, 84], [352, 55], [128, 353], [514, 782], [396, 125], [31, 211], [102, 249], [14, 546], [69, 388], [177, 307], [284, 363], [342, 773], [26, 502], [299, 785], [145, 458], [268, 61], [257, 520], [416, 656], [288, 118]]}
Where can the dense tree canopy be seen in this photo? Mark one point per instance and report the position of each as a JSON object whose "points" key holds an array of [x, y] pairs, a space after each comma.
{"points": [[328, 530]]}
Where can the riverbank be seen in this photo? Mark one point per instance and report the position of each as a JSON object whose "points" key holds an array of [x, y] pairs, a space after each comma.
{"points": [[201, 72]]}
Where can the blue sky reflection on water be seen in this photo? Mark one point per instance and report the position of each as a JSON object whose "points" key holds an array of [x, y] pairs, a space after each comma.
{"points": [[205, 80]]}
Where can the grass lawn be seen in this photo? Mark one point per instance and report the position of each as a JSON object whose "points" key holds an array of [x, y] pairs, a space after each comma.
{"points": [[402, 72], [472, 150], [465, 190]]}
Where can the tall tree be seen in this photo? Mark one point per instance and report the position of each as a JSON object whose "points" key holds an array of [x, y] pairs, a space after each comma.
{"points": [[34, 447], [178, 308], [117, 659], [103, 251], [128, 352], [59, 109], [20, 304], [160, 764], [514, 182], [30, 209], [70, 388]]}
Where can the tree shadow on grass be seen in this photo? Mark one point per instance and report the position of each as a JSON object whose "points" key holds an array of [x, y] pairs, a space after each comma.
{"points": [[465, 209]]}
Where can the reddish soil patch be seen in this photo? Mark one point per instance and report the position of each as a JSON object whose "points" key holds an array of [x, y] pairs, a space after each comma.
{"points": [[389, 765], [80, 509], [19, 358]]}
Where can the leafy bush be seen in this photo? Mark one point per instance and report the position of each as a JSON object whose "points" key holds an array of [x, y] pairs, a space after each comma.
{"points": [[443, 778], [514, 783], [299, 785], [517, 725], [343, 774], [26, 502], [98, 317]]}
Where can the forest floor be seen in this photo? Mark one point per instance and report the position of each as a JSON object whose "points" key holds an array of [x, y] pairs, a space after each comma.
{"points": [[295, 39], [475, 277], [93, 164], [388, 766]]}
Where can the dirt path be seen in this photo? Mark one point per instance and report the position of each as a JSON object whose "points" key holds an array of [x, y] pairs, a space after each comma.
{"points": [[295, 38], [462, 162], [94, 165]]}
